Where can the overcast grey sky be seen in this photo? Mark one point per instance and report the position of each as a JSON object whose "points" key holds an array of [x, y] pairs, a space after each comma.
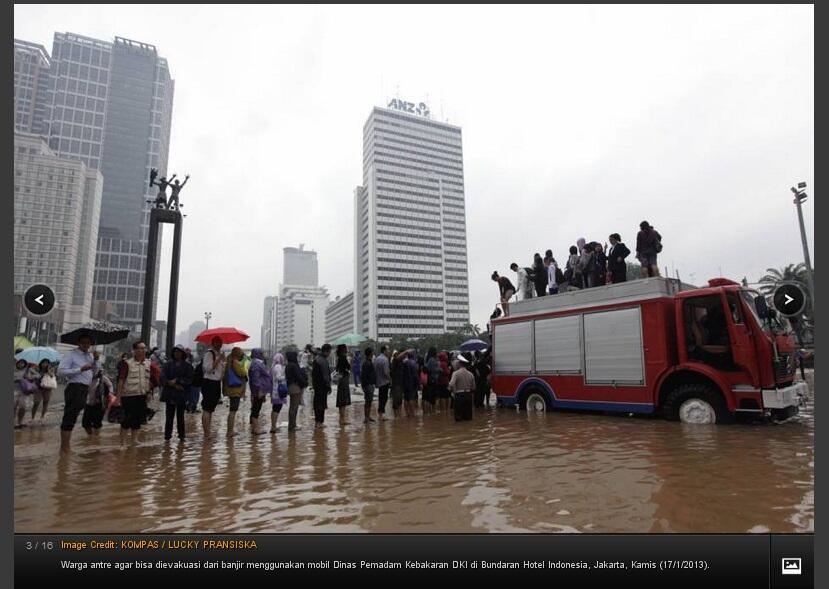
{"points": [[577, 121]]}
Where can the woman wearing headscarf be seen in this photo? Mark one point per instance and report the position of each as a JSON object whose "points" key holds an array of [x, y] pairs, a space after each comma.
{"points": [[261, 387], [235, 382], [176, 376], [343, 368], [586, 262], [279, 389], [297, 381]]}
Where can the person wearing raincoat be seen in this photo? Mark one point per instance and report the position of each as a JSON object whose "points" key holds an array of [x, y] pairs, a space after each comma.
{"points": [[297, 381], [261, 385], [279, 389], [235, 383]]}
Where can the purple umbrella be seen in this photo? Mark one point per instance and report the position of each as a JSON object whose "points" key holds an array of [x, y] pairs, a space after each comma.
{"points": [[473, 345]]}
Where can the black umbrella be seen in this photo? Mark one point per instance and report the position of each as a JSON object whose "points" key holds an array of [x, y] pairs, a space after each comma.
{"points": [[100, 332]]}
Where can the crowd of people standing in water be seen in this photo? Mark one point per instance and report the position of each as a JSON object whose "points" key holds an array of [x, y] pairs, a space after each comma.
{"points": [[407, 381], [588, 265]]}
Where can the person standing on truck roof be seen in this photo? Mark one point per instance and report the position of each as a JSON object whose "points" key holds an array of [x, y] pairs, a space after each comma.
{"points": [[525, 286], [648, 245], [540, 276], [553, 273], [616, 264], [599, 265], [506, 289]]}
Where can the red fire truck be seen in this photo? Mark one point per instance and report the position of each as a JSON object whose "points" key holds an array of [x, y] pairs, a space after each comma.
{"points": [[698, 355]]}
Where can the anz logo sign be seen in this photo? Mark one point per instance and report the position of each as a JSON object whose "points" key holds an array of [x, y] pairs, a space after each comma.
{"points": [[417, 109]]}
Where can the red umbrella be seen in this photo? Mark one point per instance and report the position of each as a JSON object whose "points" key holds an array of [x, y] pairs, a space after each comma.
{"points": [[228, 335]]}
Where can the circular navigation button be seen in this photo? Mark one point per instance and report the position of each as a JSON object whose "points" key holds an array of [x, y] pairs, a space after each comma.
{"points": [[789, 300], [39, 299]]}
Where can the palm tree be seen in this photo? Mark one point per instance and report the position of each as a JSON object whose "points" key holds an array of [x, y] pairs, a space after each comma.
{"points": [[791, 273]]}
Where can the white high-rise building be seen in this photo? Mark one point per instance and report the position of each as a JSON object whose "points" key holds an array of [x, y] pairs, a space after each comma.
{"points": [[410, 226], [339, 317], [301, 316], [299, 309], [57, 206]]}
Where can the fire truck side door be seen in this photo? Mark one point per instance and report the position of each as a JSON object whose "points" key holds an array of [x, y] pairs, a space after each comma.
{"points": [[742, 342]]}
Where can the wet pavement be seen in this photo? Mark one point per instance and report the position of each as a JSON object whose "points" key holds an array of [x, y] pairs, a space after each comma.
{"points": [[503, 472]]}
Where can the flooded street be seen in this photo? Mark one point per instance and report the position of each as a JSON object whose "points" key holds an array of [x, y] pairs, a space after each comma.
{"points": [[503, 472]]}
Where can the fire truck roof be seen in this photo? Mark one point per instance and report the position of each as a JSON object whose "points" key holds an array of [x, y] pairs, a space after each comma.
{"points": [[635, 290]]}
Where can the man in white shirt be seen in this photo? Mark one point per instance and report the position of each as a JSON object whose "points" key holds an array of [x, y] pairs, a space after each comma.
{"points": [[78, 367], [213, 367], [525, 287]]}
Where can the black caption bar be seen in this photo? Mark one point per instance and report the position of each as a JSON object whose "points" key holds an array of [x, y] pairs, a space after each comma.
{"points": [[592, 560]]}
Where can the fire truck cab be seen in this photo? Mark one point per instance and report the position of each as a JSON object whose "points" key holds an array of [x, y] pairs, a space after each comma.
{"points": [[698, 355]]}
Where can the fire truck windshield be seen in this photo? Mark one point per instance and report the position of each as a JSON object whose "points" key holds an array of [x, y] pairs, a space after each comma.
{"points": [[777, 324]]}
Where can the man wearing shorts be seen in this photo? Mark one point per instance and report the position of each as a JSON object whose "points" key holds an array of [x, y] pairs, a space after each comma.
{"points": [[213, 368], [506, 289], [78, 367], [135, 382]]}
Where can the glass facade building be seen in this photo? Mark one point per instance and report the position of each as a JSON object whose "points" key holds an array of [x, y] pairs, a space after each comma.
{"points": [[111, 108]]}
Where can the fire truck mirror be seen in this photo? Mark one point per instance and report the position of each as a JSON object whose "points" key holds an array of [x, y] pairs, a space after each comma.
{"points": [[762, 306]]}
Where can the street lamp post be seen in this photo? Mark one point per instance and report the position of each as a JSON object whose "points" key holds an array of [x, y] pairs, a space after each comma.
{"points": [[207, 316], [799, 197]]}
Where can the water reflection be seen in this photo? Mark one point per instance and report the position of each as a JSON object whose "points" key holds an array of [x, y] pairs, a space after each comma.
{"points": [[502, 472]]}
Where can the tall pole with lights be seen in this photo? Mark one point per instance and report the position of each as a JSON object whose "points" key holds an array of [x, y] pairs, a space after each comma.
{"points": [[800, 197], [207, 316]]}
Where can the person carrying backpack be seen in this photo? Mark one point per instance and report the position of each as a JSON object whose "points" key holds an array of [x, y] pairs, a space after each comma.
{"points": [[648, 245]]}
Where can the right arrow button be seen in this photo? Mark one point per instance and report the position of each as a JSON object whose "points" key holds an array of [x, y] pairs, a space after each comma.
{"points": [[789, 300]]}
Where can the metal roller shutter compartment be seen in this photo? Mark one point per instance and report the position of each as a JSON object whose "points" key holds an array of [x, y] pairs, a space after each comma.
{"points": [[613, 347], [513, 352]]}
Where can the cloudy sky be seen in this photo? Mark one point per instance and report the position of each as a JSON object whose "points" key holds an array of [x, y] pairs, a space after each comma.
{"points": [[577, 121]]}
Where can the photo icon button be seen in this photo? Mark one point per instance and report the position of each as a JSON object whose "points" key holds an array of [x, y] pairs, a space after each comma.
{"points": [[791, 566], [789, 300], [39, 299]]}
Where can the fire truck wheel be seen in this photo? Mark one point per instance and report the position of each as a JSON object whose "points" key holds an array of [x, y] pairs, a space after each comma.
{"points": [[697, 404], [535, 401]]}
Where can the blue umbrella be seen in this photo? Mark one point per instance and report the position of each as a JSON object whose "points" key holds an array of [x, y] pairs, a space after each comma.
{"points": [[473, 345], [37, 354]]}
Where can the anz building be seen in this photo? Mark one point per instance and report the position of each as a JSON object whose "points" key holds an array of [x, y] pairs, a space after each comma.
{"points": [[410, 226]]}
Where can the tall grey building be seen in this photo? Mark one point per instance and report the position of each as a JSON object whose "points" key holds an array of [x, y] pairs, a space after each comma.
{"points": [[32, 87], [53, 197], [270, 315], [410, 226], [300, 266], [111, 108]]}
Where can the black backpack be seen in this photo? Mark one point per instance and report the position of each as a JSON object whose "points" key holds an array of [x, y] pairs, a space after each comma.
{"points": [[559, 276], [198, 372]]}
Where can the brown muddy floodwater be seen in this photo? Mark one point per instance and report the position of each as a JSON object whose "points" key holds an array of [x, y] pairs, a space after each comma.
{"points": [[503, 472]]}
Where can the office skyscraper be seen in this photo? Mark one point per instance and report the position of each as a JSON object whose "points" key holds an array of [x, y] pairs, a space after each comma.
{"points": [[32, 87], [53, 197], [297, 315], [111, 108], [300, 266], [410, 226]]}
